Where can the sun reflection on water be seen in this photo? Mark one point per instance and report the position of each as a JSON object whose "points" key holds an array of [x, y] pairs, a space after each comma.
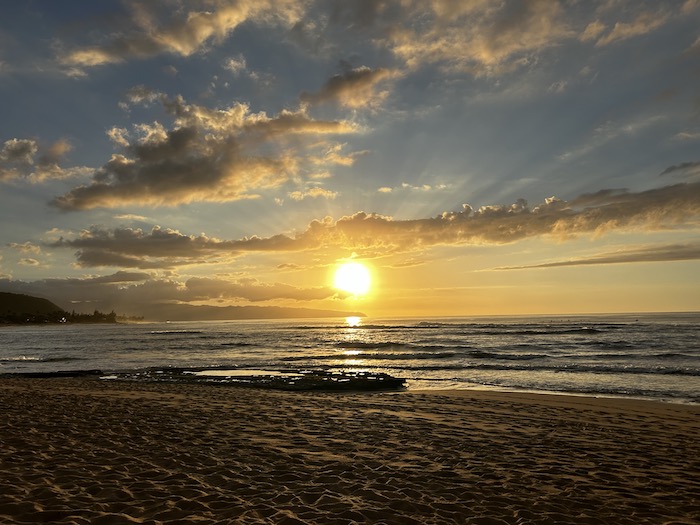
{"points": [[353, 321]]}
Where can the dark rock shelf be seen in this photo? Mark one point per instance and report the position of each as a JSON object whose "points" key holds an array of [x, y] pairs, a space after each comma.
{"points": [[300, 380]]}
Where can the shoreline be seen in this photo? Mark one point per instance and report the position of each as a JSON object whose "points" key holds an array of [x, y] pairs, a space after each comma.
{"points": [[81, 450], [129, 376]]}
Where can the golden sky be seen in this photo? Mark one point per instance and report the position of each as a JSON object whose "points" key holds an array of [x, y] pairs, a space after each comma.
{"points": [[478, 157]]}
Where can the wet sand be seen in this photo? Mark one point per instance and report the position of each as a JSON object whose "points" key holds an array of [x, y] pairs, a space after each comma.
{"points": [[79, 451]]}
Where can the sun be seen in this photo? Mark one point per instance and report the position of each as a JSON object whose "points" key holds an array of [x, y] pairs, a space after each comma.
{"points": [[353, 277]]}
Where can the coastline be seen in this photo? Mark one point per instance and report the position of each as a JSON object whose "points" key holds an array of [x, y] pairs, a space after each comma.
{"points": [[81, 450]]}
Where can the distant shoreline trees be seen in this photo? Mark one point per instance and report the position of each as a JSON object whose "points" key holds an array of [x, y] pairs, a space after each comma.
{"points": [[61, 317], [26, 309]]}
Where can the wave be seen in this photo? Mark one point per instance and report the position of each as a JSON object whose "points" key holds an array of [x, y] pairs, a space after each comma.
{"points": [[175, 332], [412, 351], [572, 369], [18, 358], [423, 354], [673, 355], [38, 359], [621, 391]]}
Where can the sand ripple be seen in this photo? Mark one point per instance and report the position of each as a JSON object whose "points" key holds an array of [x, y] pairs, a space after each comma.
{"points": [[78, 451]]}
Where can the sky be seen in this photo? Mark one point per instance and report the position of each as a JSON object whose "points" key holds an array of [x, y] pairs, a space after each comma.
{"points": [[478, 157]]}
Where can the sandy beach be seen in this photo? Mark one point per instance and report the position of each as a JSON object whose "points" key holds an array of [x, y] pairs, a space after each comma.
{"points": [[82, 451]]}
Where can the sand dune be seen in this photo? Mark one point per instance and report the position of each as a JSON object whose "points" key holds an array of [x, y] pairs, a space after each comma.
{"points": [[81, 451]]}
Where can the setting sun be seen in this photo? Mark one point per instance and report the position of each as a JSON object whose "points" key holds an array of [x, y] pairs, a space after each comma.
{"points": [[353, 277]]}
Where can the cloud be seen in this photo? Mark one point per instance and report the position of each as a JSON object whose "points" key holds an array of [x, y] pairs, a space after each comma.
{"points": [[21, 151], [26, 247], [685, 169], [214, 155], [184, 35], [18, 160], [236, 65], [405, 186], [353, 88], [610, 131], [123, 291], [122, 277], [644, 23], [16, 156], [134, 248], [592, 31], [162, 248], [313, 193], [660, 253], [687, 135], [130, 217], [690, 5], [56, 152], [252, 290], [597, 213], [479, 37], [591, 214]]}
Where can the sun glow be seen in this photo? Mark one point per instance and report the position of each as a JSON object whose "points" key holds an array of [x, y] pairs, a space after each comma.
{"points": [[353, 277]]}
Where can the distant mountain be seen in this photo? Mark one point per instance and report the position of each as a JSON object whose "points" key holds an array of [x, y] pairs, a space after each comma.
{"points": [[15, 303], [20, 308], [185, 312]]}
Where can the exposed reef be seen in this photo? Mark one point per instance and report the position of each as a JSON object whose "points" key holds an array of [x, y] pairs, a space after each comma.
{"points": [[297, 380]]}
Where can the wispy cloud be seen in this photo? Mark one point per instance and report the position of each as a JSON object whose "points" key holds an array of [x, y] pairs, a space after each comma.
{"points": [[353, 88], [252, 290], [659, 253], [478, 37], [643, 23], [23, 159], [184, 34], [26, 247], [312, 193], [610, 131], [684, 169]]}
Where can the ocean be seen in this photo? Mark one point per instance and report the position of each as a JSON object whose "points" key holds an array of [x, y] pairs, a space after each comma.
{"points": [[648, 356]]}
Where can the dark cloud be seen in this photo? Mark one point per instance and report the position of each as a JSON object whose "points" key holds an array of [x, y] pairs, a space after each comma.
{"points": [[592, 214], [122, 277], [209, 155], [662, 253], [684, 169], [104, 293], [19, 150], [477, 36], [122, 291], [666, 207], [354, 87], [252, 290], [162, 248], [134, 248], [186, 33], [360, 13], [16, 156]]}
